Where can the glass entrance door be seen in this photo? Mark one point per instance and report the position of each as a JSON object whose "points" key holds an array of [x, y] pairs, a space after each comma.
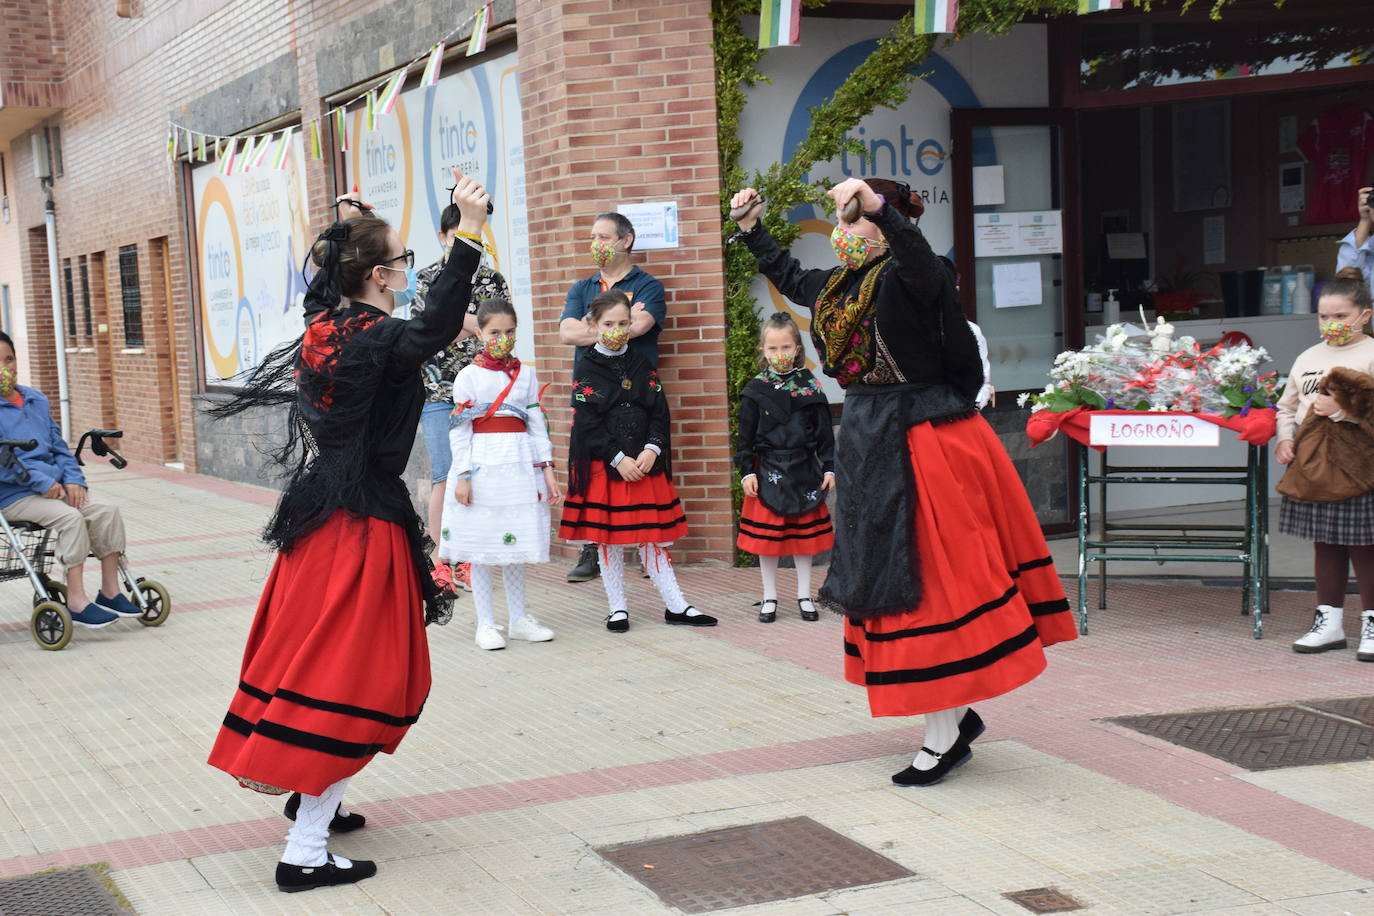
{"points": [[1016, 233]]}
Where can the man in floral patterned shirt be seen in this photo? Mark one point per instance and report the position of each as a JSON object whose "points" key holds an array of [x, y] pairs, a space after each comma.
{"points": [[439, 373]]}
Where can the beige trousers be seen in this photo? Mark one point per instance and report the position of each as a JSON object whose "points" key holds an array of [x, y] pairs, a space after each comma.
{"points": [[95, 528]]}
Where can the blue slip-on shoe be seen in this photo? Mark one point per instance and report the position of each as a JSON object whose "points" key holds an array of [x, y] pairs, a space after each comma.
{"points": [[117, 605], [93, 617]]}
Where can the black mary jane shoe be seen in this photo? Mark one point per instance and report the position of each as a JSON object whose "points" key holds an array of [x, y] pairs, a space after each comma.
{"points": [[811, 614], [341, 823], [685, 619], [971, 726], [618, 626], [292, 879], [768, 610], [952, 759]]}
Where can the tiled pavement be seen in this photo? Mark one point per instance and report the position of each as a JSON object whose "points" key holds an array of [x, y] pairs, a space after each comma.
{"points": [[527, 759]]}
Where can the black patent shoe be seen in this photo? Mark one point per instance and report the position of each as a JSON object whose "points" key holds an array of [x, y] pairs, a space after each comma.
{"points": [[970, 726], [951, 759], [618, 626], [768, 610], [294, 878], [341, 823], [808, 609], [587, 567], [685, 619]]}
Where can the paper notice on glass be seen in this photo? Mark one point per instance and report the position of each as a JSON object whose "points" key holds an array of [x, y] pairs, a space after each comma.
{"points": [[1126, 246], [989, 186], [656, 224], [1016, 285], [1000, 235], [1214, 240]]}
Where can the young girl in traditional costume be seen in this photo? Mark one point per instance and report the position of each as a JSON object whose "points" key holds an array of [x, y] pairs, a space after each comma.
{"points": [[620, 488], [337, 664], [501, 482], [786, 461], [939, 566], [1331, 386]]}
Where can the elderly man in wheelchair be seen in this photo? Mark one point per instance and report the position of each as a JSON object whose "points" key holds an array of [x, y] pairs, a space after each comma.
{"points": [[44, 485]]}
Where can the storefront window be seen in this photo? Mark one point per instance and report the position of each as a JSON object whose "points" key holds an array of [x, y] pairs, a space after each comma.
{"points": [[1138, 55]]}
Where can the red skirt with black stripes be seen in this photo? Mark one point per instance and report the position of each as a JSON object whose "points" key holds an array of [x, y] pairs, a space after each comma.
{"points": [[647, 511], [765, 533], [991, 597], [337, 662]]}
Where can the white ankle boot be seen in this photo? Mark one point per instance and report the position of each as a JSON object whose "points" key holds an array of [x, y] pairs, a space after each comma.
{"points": [[1328, 631], [1366, 651]]}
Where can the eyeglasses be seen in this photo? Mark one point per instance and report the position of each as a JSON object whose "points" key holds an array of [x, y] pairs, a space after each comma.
{"points": [[408, 255]]}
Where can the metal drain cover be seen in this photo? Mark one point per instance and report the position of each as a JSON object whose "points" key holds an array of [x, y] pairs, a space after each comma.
{"points": [[71, 892], [1261, 739], [756, 863], [1361, 709], [1044, 900]]}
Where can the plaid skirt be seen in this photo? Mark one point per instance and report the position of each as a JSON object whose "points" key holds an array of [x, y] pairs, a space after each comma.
{"points": [[1349, 522]]}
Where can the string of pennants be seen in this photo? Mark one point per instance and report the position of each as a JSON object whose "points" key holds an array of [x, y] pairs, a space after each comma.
{"points": [[780, 20], [241, 153]]}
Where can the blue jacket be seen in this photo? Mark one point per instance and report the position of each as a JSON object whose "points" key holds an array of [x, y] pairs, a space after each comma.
{"points": [[50, 462]]}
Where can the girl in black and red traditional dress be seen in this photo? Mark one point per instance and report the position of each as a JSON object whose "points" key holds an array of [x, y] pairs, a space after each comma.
{"points": [[620, 486], [786, 460], [337, 663], [939, 567]]}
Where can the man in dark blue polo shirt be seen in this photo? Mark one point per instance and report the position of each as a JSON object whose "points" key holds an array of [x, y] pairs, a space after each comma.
{"points": [[613, 239]]}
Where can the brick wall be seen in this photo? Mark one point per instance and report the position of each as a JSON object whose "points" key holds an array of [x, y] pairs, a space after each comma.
{"points": [[619, 106], [619, 103]]}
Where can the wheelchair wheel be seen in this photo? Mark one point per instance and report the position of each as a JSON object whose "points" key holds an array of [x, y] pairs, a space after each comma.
{"points": [[51, 626], [159, 602], [56, 590]]}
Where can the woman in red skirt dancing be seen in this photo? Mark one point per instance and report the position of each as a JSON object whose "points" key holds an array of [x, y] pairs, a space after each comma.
{"points": [[939, 566], [620, 485], [337, 664], [786, 460]]}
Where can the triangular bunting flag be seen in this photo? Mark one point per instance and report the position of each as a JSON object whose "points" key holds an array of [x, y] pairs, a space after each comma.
{"points": [[1097, 6], [341, 128], [200, 149], [260, 151], [478, 42], [937, 17], [372, 109], [315, 151], [392, 92], [436, 60], [226, 162], [246, 154], [283, 149], [779, 23]]}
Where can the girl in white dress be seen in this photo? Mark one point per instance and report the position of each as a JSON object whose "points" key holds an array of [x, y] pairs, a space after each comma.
{"points": [[501, 483]]}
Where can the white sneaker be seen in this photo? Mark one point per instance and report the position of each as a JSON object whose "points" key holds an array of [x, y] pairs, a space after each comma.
{"points": [[1366, 650], [1328, 631], [529, 629], [489, 637]]}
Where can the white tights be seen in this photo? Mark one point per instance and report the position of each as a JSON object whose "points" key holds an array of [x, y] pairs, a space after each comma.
{"points": [[769, 567], [308, 836], [484, 584], [657, 564], [942, 730]]}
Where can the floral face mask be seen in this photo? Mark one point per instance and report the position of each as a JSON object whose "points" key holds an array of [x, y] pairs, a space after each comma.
{"points": [[8, 379], [614, 339], [781, 362], [602, 252], [1339, 333], [499, 347], [851, 249]]}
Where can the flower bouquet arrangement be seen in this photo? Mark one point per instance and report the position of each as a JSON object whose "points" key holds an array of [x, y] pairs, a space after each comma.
{"points": [[1130, 368]]}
